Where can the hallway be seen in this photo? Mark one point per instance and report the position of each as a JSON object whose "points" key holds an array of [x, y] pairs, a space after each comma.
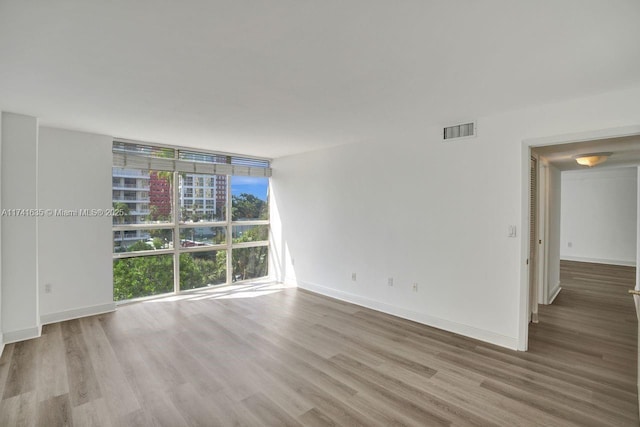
{"points": [[589, 334]]}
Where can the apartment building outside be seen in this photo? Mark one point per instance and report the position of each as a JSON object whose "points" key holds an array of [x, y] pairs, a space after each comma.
{"points": [[202, 197], [147, 197], [131, 188]]}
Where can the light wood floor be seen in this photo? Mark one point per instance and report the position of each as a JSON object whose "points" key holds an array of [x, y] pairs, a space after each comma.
{"points": [[289, 357]]}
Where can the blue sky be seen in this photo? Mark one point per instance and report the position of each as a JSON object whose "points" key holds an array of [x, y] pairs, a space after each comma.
{"points": [[251, 185]]}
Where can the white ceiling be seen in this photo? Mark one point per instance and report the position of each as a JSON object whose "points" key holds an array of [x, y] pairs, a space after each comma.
{"points": [[271, 78]]}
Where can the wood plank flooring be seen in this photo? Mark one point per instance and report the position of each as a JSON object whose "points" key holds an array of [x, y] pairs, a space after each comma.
{"points": [[265, 356]]}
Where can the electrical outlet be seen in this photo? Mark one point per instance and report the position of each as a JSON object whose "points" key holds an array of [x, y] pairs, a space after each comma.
{"points": [[47, 288], [415, 287], [353, 276], [390, 281]]}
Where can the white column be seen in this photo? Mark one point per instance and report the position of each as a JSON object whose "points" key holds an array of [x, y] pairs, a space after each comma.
{"points": [[1, 336], [19, 253]]}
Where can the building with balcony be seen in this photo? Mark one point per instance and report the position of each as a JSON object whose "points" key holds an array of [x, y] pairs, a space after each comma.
{"points": [[159, 196], [203, 196], [147, 197], [131, 187]]}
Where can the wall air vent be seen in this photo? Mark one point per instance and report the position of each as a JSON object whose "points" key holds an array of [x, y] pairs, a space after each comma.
{"points": [[465, 130]]}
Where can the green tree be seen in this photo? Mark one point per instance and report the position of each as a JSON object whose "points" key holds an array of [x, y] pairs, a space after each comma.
{"points": [[162, 235], [124, 218], [140, 246], [198, 269], [248, 206], [123, 208], [250, 263], [142, 276], [256, 233], [158, 243]]}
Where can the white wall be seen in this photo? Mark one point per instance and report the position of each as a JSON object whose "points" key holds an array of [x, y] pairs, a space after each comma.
{"points": [[421, 210], [599, 215], [75, 252], [19, 230], [281, 265], [554, 203], [1, 336], [47, 169]]}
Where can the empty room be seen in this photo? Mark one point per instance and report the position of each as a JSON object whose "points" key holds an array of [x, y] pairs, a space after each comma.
{"points": [[316, 213]]}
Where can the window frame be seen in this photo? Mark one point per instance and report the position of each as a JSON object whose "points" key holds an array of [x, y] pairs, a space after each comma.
{"points": [[176, 225]]}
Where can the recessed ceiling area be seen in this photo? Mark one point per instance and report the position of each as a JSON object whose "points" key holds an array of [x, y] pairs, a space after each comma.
{"points": [[625, 151], [282, 77]]}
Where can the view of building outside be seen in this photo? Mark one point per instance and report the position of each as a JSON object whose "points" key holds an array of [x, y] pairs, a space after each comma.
{"points": [[131, 189], [159, 196], [203, 197], [145, 197]]}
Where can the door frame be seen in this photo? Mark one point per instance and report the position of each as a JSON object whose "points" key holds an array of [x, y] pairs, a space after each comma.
{"points": [[526, 145], [543, 231]]}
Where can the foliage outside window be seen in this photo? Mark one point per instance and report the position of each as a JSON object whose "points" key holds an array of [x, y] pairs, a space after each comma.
{"points": [[250, 263], [142, 276], [199, 269]]}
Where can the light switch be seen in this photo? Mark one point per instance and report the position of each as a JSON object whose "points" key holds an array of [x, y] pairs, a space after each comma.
{"points": [[512, 231]]}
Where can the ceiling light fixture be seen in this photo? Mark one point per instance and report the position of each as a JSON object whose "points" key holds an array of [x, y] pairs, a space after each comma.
{"points": [[592, 159]]}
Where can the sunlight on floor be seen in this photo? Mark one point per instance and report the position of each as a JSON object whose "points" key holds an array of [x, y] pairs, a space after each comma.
{"points": [[245, 290]]}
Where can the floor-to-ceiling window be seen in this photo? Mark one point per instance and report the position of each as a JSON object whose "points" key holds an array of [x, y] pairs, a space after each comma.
{"points": [[186, 219]]}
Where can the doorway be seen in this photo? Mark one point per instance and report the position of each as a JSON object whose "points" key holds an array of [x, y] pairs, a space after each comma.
{"points": [[556, 153]]}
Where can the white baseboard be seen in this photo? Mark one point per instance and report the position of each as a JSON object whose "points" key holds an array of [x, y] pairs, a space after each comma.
{"points": [[76, 313], [554, 293], [436, 322], [1, 344], [22, 334], [598, 260]]}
